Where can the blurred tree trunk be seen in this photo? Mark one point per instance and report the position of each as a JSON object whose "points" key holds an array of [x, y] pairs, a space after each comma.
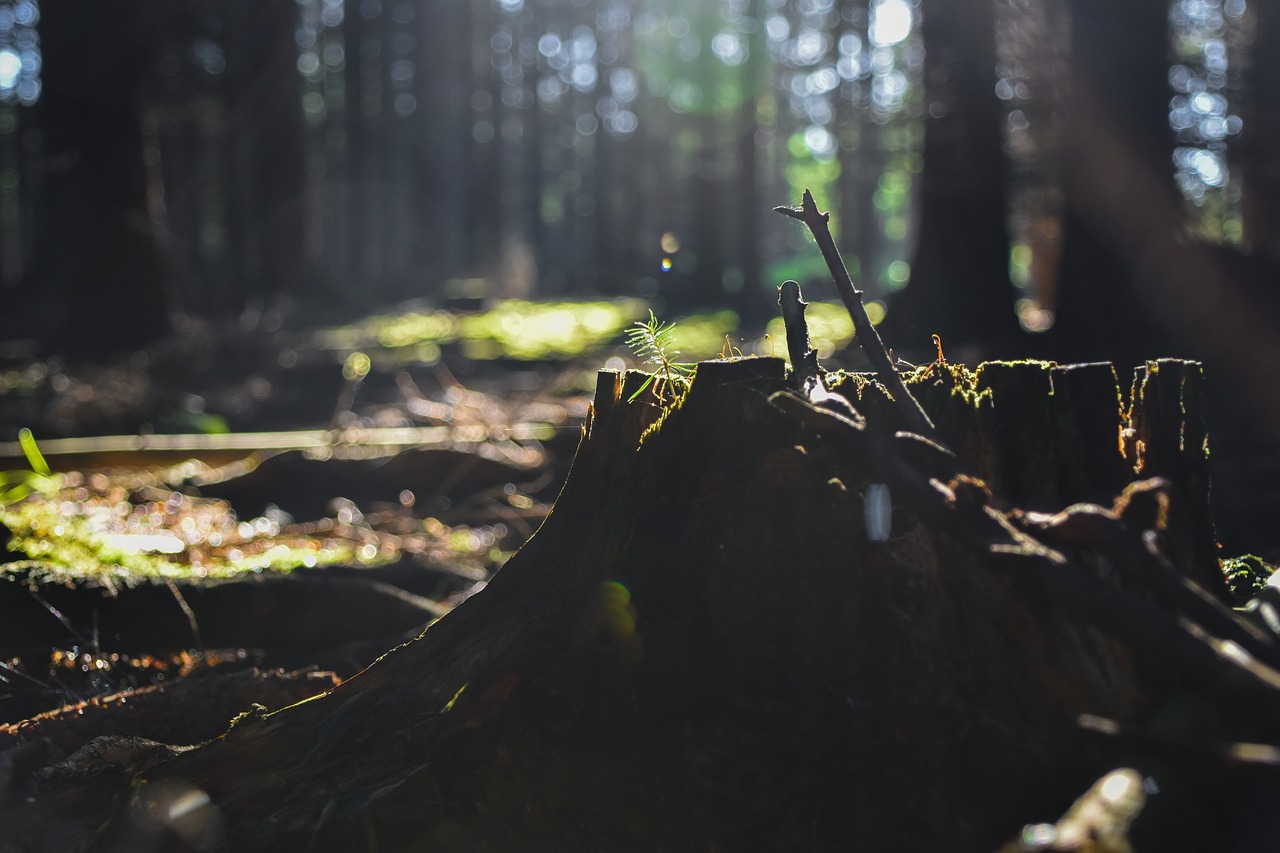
{"points": [[752, 299], [481, 185], [960, 276], [1122, 208], [1259, 148], [867, 166], [861, 163], [748, 293], [704, 285], [484, 179], [99, 256], [266, 137], [405, 168], [364, 70], [452, 45], [854, 135]]}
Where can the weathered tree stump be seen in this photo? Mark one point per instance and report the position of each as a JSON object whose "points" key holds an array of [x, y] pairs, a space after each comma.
{"points": [[703, 649]]}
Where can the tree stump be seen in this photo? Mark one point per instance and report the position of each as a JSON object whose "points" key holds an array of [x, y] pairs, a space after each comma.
{"points": [[702, 648]]}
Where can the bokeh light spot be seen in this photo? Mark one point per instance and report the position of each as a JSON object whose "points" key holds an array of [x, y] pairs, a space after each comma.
{"points": [[899, 272], [10, 68], [875, 312], [890, 22], [1032, 317], [356, 366]]}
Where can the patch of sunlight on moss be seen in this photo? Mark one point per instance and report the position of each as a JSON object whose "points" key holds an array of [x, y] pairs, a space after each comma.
{"points": [[1246, 575], [534, 331], [134, 526], [406, 330], [108, 540], [513, 328], [958, 379]]}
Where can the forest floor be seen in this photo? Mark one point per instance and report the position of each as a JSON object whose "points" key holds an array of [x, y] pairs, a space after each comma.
{"points": [[190, 475], [396, 462]]}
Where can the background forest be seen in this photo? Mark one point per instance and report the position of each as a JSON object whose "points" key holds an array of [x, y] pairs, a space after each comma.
{"points": [[303, 310], [1070, 179]]}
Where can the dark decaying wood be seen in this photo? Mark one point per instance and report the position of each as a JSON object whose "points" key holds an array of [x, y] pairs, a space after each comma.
{"points": [[703, 649]]}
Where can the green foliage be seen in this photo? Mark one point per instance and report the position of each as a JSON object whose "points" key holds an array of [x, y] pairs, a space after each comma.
{"points": [[805, 171], [708, 81], [1246, 575], [651, 340], [199, 423]]}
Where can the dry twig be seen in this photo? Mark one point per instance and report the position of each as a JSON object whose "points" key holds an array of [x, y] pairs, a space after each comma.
{"points": [[868, 337]]}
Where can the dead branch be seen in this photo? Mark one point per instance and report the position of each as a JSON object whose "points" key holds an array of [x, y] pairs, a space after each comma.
{"points": [[868, 337]]}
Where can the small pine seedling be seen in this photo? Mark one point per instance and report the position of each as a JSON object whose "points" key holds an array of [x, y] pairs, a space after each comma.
{"points": [[16, 485], [651, 341]]}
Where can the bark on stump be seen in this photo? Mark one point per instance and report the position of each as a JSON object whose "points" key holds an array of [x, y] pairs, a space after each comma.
{"points": [[702, 649]]}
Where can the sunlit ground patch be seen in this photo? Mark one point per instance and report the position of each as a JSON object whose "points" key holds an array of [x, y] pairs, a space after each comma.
{"points": [[513, 328], [125, 528]]}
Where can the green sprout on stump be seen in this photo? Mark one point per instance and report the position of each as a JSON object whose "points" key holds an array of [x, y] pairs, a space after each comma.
{"points": [[17, 485], [651, 341]]}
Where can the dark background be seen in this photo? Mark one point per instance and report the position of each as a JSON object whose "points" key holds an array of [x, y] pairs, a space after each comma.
{"points": [[1067, 179]]}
